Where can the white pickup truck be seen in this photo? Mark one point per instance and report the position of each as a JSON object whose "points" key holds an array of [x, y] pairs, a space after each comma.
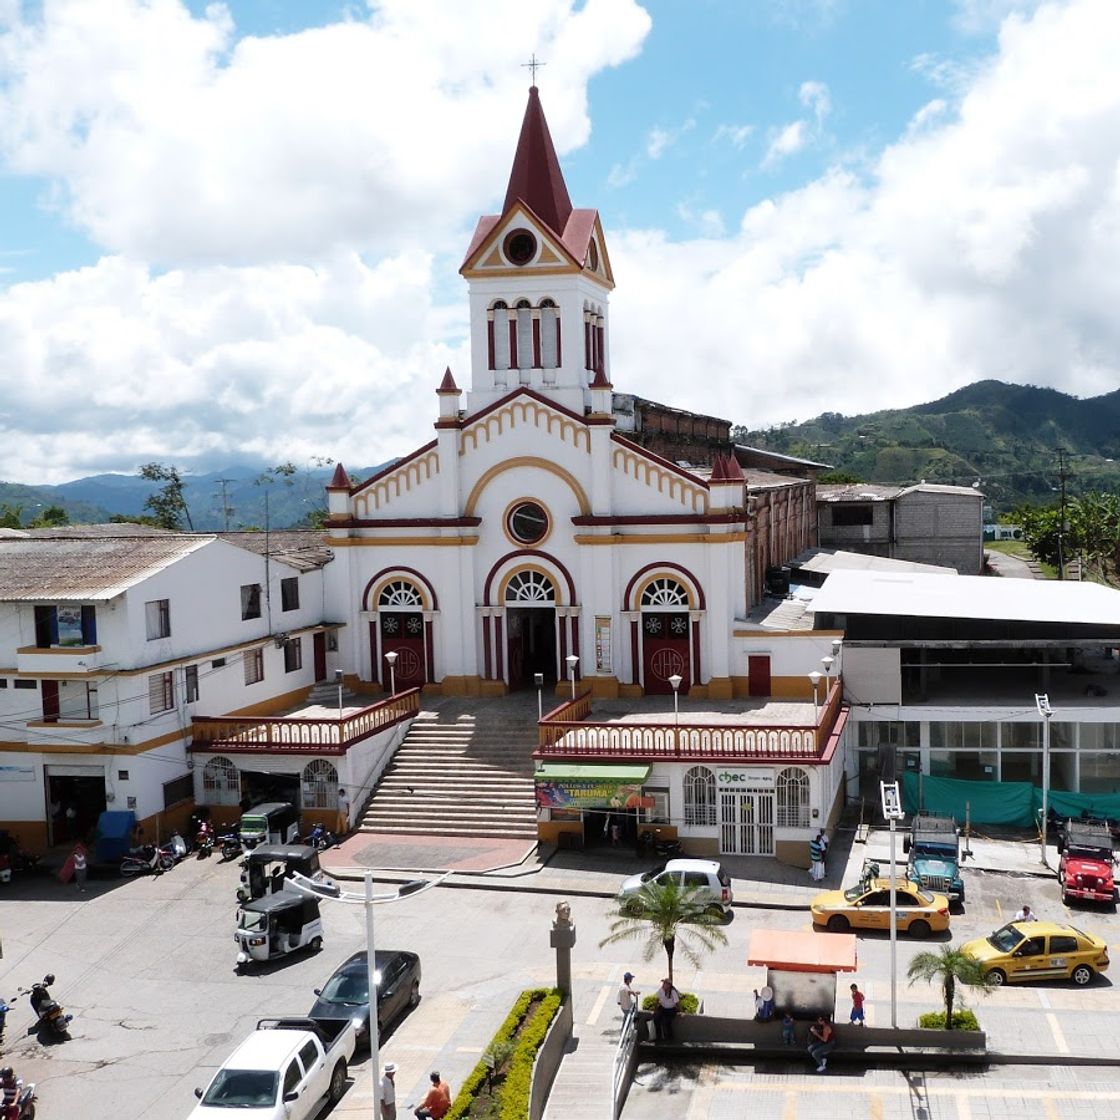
{"points": [[287, 1069]]}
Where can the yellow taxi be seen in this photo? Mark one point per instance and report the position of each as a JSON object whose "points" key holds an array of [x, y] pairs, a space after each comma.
{"points": [[867, 905], [1039, 951]]}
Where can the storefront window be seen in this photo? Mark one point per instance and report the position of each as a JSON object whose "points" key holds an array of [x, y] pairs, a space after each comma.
{"points": [[1100, 772], [972, 766], [871, 770], [1023, 766], [1021, 736], [1098, 737]]}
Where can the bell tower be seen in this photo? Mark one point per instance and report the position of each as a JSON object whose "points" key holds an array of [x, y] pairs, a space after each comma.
{"points": [[539, 280]]}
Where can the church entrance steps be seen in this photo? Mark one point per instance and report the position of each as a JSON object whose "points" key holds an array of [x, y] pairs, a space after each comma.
{"points": [[464, 769]]}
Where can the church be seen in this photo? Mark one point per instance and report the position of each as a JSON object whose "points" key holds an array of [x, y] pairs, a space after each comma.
{"points": [[541, 533]]}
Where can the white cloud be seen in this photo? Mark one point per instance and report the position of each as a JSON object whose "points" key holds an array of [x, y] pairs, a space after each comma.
{"points": [[814, 96], [707, 222], [735, 134], [794, 137], [786, 142], [978, 17]]}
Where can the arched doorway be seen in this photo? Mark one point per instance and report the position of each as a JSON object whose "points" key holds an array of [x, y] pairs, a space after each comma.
{"points": [[400, 626], [665, 635], [530, 613]]}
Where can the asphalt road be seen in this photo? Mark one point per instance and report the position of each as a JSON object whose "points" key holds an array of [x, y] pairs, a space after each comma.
{"points": [[147, 968]]}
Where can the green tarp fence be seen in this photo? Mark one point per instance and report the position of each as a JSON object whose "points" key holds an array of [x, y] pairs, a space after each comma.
{"points": [[1013, 803]]}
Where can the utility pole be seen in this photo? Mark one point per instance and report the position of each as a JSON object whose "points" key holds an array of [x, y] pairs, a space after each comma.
{"points": [[1062, 453], [226, 509]]}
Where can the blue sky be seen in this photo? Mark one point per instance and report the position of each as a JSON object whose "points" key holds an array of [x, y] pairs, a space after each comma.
{"points": [[231, 233]]}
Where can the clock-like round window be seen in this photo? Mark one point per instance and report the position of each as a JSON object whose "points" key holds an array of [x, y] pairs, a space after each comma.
{"points": [[520, 247], [527, 523]]}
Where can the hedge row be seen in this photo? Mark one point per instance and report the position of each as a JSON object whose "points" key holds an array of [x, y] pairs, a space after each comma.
{"points": [[513, 1093], [689, 1005], [962, 1020]]}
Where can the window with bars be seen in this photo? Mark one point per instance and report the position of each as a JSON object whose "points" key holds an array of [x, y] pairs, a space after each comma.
{"points": [[190, 683], [320, 785], [161, 692], [530, 587], [221, 782], [399, 593], [157, 614], [254, 666], [664, 592], [699, 796], [792, 786]]}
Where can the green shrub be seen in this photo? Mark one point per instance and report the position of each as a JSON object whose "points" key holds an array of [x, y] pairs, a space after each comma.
{"points": [[512, 1094], [962, 1021], [689, 1005]]}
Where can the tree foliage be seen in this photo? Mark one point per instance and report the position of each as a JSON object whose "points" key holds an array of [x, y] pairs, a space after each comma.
{"points": [[51, 518], [668, 916], [168, 505], [947, 966], [11, 517], [1091, 534]]}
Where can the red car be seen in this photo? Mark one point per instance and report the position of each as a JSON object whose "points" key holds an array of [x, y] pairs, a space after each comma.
{"points": [[1086, 867]]}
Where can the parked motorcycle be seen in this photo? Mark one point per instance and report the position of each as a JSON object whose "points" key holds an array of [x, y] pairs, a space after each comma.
{"points": [[320, 838], [177, 846], [146, 860], [48, 1011], [17, 1100], [667, 849], [204, 841], [231, 846]]}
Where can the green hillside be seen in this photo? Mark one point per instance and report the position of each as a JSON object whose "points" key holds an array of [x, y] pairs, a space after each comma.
{"points": [[1003, 435]]}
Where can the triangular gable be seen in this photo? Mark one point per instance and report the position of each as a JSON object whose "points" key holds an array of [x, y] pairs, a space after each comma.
{"points": [[395, 481], [652, 471], [485, 256], [524, 407]]}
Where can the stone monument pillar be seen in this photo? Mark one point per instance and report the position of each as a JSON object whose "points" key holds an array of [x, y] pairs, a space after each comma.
{"points": [[562, 938]]}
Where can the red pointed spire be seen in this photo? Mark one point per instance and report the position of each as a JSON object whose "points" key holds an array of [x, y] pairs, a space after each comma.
{"points": [[536, 177], [600, 381], [340, 480], [733, 471], [718, 474], [447, 385]]}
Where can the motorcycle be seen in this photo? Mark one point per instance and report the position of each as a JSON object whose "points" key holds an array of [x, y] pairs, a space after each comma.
{"points": [[204, 841], [49, 1013], [147, 860], [667, 849], [177, 846], [17, 1100], [320, 838], [231, 846]]}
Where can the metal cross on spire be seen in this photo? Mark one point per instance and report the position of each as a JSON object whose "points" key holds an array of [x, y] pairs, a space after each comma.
{"points": [[533, 66]]}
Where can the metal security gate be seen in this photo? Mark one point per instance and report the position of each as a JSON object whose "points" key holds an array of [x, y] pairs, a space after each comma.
{"points": [[746, 822]]}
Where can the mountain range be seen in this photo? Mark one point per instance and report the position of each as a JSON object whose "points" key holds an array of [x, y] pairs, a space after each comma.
{"points": [[1002, 438]]}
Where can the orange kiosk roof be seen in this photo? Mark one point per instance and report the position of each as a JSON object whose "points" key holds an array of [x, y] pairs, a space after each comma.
{"points": [[798, 951]]}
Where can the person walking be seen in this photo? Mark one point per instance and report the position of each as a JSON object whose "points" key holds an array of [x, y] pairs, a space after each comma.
{"points": [[389, 1091], [789, 1028], [857, 1006], [668, 1005], [816, 859], [4, 1009], [629, 998], [81, 866], [342, 821], [822, 1039], [437, 1101]]}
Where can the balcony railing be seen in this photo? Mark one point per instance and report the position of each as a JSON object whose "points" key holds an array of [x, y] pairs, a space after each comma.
{"points": [[299, 734], [567, 732]]}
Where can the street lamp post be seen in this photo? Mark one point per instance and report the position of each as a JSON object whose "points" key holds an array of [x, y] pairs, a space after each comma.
{"points": [[1042, 703], [338, 681], [815, 680], [572, 661], [827, 663], [675, 681], [892, 810], [391, 657], [538, 680], [332, 892]]}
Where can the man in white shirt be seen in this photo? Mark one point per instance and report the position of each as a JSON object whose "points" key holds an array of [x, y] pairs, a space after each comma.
{"points": [[1025, 915], [628, 997], [389, 1092], [668, 1004]]}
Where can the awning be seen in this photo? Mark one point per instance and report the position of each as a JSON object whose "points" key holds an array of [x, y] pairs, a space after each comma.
{"points": [[592, 772], [799, 951], [587, 785]]}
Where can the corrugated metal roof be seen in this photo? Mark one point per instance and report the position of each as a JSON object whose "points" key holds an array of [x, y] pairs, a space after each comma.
{"points": [[302, 549], [980, 597], [86, 569]]}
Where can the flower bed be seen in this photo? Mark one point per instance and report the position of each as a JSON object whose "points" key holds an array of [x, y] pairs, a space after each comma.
{"points": [[498, 1087], [962, 1021]]}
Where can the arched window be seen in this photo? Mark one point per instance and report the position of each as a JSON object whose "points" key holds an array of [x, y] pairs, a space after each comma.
{"points": [[320, 785], [524, 334], [399, 594], [665, 592], [699, 796], [221, 782], [499, 335], [550, 334], [792, 787], [531, 588]]}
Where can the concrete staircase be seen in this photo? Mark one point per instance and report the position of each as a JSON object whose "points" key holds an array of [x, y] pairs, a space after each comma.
{"points": [[465, 768]]}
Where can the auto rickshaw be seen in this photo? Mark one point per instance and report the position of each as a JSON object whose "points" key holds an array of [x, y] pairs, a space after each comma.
{"points": [[276, 925], [274, 822], [267, 867]]}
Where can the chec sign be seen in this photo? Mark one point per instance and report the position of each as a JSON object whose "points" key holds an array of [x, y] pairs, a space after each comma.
{"points": [[744, 777]]}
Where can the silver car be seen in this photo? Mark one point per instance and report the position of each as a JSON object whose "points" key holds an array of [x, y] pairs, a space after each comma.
{"points": [[710, 880]]}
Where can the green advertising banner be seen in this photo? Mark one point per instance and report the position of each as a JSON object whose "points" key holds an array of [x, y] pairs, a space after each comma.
{"points": [[584, 786]]}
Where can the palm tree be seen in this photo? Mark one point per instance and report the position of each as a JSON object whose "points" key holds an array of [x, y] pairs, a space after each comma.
{"points": [[662, 914], [949, 965]]}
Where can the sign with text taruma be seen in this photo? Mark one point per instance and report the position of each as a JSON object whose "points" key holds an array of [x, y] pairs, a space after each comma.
{"points": [[593, 793]]}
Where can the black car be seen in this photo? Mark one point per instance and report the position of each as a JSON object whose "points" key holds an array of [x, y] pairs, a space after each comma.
{"points": [[346, 994]]}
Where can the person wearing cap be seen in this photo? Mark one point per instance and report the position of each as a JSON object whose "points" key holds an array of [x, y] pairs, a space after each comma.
{"points": [[628, 997], [389, 1091]]}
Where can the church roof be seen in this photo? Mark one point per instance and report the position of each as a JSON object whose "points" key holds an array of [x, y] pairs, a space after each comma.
{"points": [[536, 178]]}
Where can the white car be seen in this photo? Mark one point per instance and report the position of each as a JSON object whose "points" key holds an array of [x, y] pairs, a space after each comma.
{"points": [[284, 1070], [707, 876]]}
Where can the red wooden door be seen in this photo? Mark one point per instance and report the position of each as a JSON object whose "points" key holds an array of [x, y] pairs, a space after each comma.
{"points": [[758, 674], [319, 645], [50, 701], [665, 651], [402, 632]]}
